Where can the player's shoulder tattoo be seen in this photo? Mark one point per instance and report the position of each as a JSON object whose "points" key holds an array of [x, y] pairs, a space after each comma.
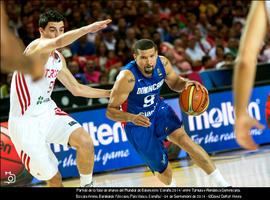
{"points": [[164, 61]]}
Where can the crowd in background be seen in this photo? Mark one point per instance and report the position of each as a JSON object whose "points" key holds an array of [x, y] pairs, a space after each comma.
{"points": [[195, 35]]}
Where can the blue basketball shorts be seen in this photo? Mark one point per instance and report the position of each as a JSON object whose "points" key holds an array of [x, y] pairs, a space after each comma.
{"points": [[148, 141]]}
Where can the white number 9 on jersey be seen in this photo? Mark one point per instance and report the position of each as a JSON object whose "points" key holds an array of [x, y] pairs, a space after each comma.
{"points": [[149, 100]]}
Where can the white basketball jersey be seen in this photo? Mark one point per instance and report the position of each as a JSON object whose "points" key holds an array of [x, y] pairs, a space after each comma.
{"points": [[33, 98]]}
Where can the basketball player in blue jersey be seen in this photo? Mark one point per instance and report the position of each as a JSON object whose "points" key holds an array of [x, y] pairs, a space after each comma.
{"points": [[135, 101]]}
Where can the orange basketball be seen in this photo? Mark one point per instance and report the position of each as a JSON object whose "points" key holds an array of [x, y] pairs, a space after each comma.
{"points": [[10, 160], [192, 101]]}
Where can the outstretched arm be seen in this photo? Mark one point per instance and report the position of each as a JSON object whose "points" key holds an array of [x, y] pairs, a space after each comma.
{"points": [[174, 81], [48, 45], [77, 89], [121, 89], [244, 72]]}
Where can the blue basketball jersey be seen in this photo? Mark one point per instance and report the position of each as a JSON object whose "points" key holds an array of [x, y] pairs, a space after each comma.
{"points": [[145, 96], [145, 99]]}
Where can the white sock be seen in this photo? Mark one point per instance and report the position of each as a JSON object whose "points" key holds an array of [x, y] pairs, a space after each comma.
{"points": [[85, 179], [173, 183], [218, 179]]}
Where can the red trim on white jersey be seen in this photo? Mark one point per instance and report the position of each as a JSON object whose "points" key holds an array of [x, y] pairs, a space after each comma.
{"points": [[58, 111], [21, 155], [18, 93], [25, 160], [22, 92], [27, 164], [26, 89]]}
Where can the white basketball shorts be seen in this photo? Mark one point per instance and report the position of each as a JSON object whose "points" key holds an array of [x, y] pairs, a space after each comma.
{"points": [[32, 137]]}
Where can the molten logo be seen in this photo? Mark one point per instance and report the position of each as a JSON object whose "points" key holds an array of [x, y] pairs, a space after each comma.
{"points": [[104, 134], [5, 147], [217, 117]]}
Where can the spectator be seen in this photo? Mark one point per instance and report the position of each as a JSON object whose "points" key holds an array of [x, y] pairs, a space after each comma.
{"points": [[74, 68], [92, 75], [82, 47], [102, 56], [265, 53], [212, 23], [218, 42], [109, 38], [207, 63], [195, 53], [27, 33], [103, 79], [113, 65], [233, 45], [122, 51], [227, 62], [131, 37], [202, 42], [173, 33], [178, 57], [121, 28]]}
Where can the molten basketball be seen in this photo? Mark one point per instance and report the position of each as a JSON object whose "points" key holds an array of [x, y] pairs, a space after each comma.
{"points": [[10, 161], [192, 101]]}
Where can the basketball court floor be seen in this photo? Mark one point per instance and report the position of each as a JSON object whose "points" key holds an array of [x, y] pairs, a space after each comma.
{"points": [[240, 168]]}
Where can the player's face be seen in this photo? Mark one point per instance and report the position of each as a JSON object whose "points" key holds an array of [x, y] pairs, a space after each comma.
{"points": [[146, 60], [53, 29]]}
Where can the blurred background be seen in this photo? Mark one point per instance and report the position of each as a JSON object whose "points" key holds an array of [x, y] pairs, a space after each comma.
{"points": [[200, 38], [195, 35]]}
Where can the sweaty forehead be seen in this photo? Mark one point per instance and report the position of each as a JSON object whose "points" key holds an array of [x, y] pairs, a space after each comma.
{"points": [[55, 24], [147, 52]]}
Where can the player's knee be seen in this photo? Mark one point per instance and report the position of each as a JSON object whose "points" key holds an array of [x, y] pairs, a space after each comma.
{"points": [[179, 138], [86, 143], [55, 181], [81, 140]]}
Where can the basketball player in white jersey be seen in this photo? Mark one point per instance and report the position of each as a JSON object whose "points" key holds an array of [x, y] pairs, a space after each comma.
{"points": [[35, 121], [12, 57], [251, 42]]}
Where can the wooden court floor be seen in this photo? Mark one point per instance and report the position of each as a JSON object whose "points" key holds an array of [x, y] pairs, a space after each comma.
{"points": [[240, 168]]}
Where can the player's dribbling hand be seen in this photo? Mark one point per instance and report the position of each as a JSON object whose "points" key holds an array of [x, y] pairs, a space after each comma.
{"points": [[141, 120], [96, 26], [243, 124], [197, 85]]}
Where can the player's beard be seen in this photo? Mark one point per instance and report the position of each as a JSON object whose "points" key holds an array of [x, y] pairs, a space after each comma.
{"points": [[149, 69]]}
